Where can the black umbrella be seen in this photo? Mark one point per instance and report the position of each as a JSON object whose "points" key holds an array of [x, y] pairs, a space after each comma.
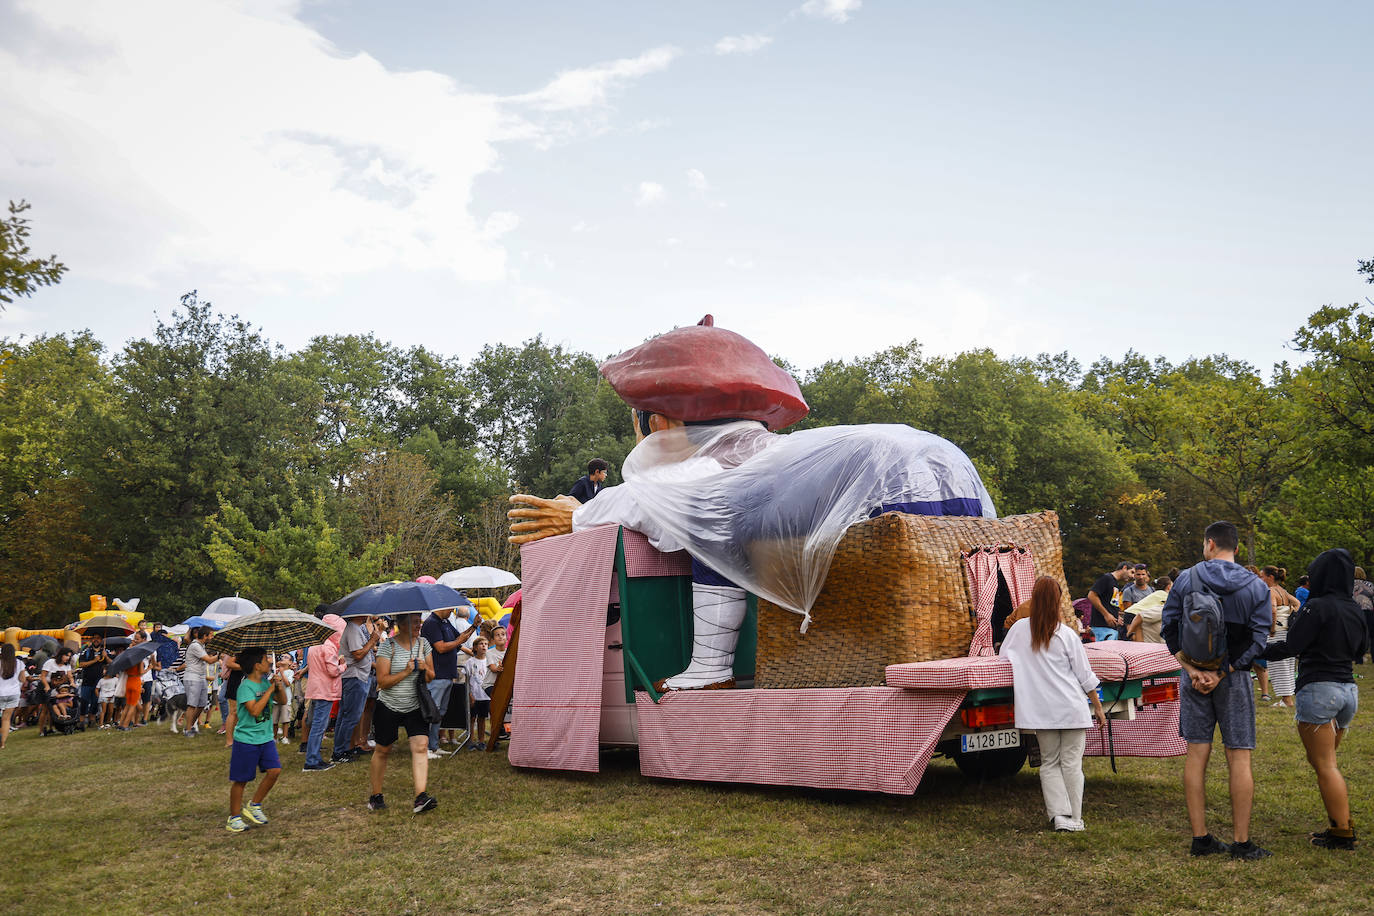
{"points": [[118, 642], [34, 643], [131, 657], [396, 598]]}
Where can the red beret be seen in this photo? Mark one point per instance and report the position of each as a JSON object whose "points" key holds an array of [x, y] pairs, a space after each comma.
{"points": [[705, 373]]}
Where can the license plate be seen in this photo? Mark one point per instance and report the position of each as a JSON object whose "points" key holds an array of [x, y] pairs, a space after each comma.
{"points": [[990, 741]]}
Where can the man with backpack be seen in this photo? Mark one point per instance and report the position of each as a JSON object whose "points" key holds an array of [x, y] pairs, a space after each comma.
{"points": [[1216, 620]]}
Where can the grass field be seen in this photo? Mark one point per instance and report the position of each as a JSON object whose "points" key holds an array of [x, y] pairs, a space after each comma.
{"points": [[111, 822]]}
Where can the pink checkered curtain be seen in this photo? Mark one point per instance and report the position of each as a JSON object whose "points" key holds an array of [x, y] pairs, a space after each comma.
{"points": [[557, 700], [980, 566]]}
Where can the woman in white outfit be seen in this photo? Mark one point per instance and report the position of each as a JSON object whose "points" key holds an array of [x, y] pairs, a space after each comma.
{"points": [[12, 678], [1051, 675]]}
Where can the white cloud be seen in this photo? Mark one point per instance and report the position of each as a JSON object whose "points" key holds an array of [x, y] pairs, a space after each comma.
{"points": [[499, 223], [650, 192], [266, 154], [696, 180], [589, 87], [742, 44], [581, 226], [834, 10]]}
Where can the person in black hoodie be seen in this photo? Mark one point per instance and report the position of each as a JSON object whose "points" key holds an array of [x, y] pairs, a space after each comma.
{"points": [[1327, 636], [1221, 698]]}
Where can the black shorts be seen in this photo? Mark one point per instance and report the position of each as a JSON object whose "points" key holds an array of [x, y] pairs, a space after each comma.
{"points": [[147, 691], [481, 709], [232, 693], [386, 724]]}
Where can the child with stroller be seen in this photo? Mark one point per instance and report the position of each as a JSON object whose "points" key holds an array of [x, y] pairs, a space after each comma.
{"points": [[254, 749]]}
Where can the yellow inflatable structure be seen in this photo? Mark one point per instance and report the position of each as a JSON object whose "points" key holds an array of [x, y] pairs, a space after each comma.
{"points": [[71, 640], [488, 607]]}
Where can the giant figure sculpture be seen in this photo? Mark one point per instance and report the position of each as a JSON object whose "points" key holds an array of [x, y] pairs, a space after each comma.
{"points": [[755, 510]]}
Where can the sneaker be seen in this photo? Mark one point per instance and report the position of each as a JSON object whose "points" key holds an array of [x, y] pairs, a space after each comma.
{"points": [[1328, 839], [1248, 851], [357, 752], [425, 802], [375, 803], [192, 732], [481, 745], [235, 824], [1266, 698], [318, 767], [1207, 846], [346, 758], [435, 755], [253, 812]]}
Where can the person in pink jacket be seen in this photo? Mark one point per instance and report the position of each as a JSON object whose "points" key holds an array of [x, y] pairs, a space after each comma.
{"points": [[323, 688]]}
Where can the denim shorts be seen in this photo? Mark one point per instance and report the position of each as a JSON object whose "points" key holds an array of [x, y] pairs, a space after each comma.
{"points": [[1230, 707], [1328, 701]]}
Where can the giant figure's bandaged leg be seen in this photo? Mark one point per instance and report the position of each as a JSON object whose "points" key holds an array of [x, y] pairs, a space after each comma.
{"points": [[718, 609], [717, 613]]}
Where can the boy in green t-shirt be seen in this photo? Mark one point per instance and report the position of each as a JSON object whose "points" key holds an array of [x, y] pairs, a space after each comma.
{"points": [[254, 748]]}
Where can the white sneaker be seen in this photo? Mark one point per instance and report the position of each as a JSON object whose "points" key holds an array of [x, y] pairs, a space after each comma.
{"points": [[434, 755]]}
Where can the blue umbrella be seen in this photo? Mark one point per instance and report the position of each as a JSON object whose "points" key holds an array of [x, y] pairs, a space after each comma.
{"points": [[199, 621], [396, 598]]}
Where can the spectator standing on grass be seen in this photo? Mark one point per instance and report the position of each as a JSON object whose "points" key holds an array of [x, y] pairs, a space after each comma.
{"points": [[281, 712], [194, 674], [231, 675], [1302, 591], [496, 661], [1051, 677], [404, 664], [1327, 637], [477, 670], [444, 638], [254, 750], [1149, 613], [1137, 588], [12, 678], [1363, 594], [133, 688], [357, 648], [1222, 698], [1105, 598], [91, 662], [1282, 673], [322, 690]]}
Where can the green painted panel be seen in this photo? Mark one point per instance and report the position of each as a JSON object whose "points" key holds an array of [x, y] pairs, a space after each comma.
{"points": [[656, 626]]}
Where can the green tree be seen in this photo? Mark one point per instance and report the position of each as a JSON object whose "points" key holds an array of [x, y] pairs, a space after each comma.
{"points": [[20, 273], [298, 560], [1212, 420], [1339, 380], [207, 407], [56, 385], [394, 494], [1329, 504], [53, 555]]}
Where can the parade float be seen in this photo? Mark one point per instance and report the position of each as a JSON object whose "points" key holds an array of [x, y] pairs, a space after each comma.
{"points": [[814, 609]]}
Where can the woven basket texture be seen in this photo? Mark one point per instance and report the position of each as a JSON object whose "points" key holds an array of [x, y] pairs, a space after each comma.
{"points": [[896, 592]]}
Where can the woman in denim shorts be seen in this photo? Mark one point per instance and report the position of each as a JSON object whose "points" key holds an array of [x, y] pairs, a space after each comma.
{"points": [[1327, 636]]}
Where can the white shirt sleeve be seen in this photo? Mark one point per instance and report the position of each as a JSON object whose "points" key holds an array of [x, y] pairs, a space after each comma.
{"points": [[1078, 659]]}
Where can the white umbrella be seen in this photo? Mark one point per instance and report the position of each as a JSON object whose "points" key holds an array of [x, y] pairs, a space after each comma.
{"points": [[229, 608], [478, 577]]}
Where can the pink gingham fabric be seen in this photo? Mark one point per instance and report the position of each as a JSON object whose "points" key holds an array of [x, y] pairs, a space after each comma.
{"points": [[641, 559], [980, 567], [556, 718], [1109, 661], [874, 739], [1152, 733]]}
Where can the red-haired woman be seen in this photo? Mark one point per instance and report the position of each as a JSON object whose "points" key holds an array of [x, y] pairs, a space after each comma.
{"points": [[1051, 676]]}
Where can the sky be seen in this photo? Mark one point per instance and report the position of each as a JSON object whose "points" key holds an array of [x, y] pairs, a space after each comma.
{"points": [[827, 177]]}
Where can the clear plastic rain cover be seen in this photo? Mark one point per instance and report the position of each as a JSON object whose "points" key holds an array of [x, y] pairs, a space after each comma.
{"points": [[766, 510]]}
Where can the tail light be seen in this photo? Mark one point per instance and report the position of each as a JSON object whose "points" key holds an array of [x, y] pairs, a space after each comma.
{"points": [[1159, 693], [986, 716]]}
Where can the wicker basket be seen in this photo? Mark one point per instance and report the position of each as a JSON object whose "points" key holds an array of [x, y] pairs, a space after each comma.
{"points": [[896, 592]]}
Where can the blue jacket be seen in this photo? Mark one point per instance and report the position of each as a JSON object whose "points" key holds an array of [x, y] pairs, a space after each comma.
{"points": [[1245, 606]]}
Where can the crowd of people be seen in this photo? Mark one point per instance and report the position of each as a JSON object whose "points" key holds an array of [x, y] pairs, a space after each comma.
{"points": [[358, 688], [1300, 647]]}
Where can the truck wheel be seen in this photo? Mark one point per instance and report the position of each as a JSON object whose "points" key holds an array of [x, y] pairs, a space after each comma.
{"points": [[989, 764]]}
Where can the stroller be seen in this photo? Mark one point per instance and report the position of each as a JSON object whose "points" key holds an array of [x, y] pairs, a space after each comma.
{"points": [[168, 695], [64, 710]]}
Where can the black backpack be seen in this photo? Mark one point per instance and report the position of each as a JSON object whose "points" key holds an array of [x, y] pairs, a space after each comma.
{"points": [[1201, 630]]}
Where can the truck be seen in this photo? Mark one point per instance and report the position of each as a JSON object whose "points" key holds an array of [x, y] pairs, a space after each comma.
{"points": [[605, 616]]}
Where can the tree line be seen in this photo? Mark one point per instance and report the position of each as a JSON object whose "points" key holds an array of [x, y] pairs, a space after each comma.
{"points": [[206, 459]]}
